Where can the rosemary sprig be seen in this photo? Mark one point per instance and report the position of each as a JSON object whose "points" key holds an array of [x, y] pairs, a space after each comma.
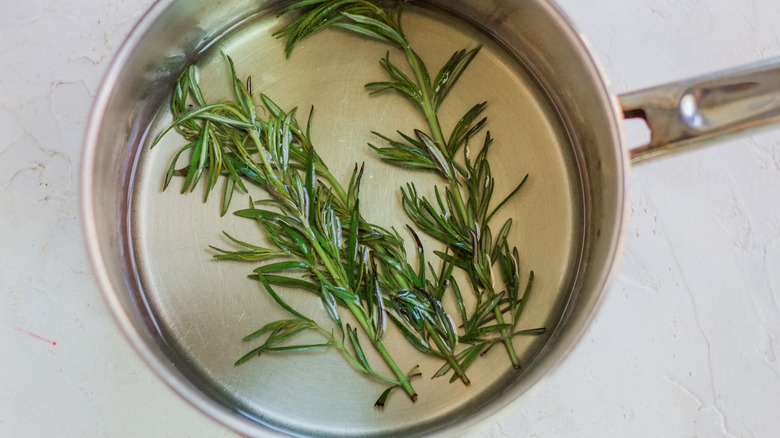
{"points": [[315, 226], [466, 232], [421, 318], [301, 219], [372, 20], [462, 223], [286, 152]]}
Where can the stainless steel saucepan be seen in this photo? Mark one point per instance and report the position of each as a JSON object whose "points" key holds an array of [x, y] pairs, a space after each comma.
{"points": [[553, 117]]}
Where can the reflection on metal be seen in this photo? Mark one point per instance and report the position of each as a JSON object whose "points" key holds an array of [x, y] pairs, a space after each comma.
{"points": [[685, 114]]}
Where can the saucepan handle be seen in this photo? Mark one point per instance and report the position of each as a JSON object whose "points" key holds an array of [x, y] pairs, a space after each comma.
{"points": [[685, 114]]}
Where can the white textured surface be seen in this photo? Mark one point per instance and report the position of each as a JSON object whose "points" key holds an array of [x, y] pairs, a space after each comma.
{"points": [[686, 342]]}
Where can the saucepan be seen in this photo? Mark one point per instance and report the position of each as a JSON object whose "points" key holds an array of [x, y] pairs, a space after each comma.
{"points": [[550, 111]]}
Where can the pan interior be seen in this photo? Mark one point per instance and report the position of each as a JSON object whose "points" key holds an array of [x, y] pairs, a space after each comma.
{"points": [[201, 307]]}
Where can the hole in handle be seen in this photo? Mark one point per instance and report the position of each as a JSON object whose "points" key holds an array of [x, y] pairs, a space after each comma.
{"points": [[635, 129]]}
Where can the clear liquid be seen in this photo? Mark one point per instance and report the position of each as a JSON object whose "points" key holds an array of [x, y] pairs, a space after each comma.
{"points": [[207, 306]]}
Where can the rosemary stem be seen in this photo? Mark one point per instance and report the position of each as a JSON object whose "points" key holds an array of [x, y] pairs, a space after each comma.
{"points": [[269, 170], [334, 272], [430, 114], [448, 355], [507, 340], [351, 359], [461, 206], [402, 379]]}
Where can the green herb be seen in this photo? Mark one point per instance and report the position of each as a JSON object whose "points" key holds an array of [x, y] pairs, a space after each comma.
{"points": [[319, 241], [374, 260], [461, 222]]}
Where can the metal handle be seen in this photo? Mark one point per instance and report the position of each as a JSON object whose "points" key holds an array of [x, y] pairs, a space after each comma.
{"points": [[687, 113]]}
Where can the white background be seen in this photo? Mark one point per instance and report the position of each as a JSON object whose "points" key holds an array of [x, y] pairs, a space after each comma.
{"points": [[687, 340]]}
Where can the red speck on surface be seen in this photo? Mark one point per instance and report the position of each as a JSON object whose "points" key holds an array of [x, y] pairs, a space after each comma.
{"points": [[37, 336]]}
